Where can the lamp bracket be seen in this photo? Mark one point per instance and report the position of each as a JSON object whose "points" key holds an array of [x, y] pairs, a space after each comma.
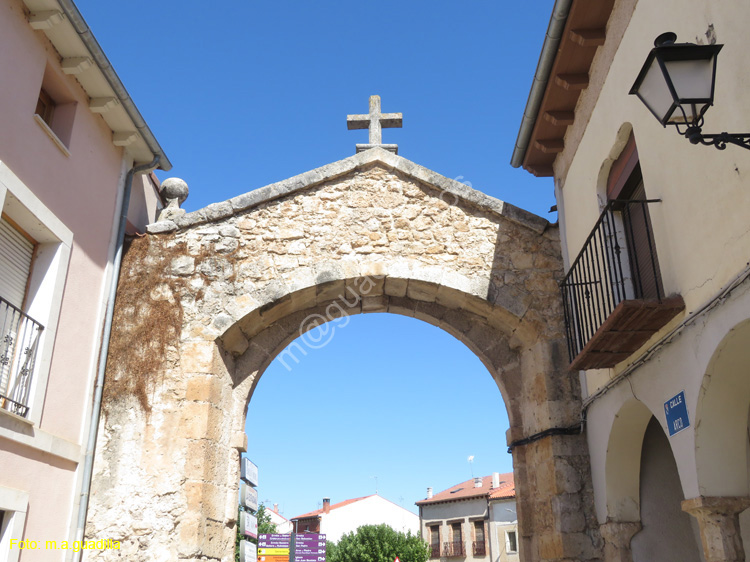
{"points": [[719, 140]]}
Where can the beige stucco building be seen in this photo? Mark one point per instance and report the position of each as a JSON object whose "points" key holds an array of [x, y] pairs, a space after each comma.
{"points": [[657, 297], [474, 521], [71, 137]]}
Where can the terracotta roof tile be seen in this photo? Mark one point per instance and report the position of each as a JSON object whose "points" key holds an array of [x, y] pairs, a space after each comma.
{"points": [[465, 490]]}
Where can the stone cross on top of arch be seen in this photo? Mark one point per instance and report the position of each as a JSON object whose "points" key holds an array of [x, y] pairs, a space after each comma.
{"points": [[375, 121]]}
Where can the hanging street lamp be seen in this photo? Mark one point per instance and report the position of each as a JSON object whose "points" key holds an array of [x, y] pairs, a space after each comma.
{"points": [[677, 83]]}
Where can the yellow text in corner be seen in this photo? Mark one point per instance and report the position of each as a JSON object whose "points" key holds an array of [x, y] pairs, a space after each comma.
{"points": [[75, 546]]}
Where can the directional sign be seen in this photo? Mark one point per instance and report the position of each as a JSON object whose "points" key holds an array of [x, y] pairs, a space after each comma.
{"points": [[248, 525], [248, 552], [310, 557], [309, 547], [310, 538], [249, 471], [270, 540], [249, 496], [270, 543], [274, 551], [676, 412]]}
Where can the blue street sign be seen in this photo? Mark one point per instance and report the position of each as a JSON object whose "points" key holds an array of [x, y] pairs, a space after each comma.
{"points": [[677, 415]]}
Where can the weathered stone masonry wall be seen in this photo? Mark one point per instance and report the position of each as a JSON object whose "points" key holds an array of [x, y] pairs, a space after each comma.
{"points": [[373, 233]]}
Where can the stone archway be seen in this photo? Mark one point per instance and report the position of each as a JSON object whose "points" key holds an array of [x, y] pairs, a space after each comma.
{"points": [[209, 299]]}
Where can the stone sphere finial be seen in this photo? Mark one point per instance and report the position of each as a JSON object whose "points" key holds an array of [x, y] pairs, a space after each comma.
{"points": [[174, 191], [174, 188]]}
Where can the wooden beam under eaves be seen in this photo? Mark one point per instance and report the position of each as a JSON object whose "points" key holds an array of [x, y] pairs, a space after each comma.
{"points": [[550, 146], [560, 118], [540, 171], [588, 37], [572, 81]]}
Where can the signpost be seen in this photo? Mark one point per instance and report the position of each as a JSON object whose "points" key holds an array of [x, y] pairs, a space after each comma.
{"points": [[249, 496], [248, 552], [249, 472], [273, 547], [309, 547], [676, 412], [248, 521], [248, 525]]}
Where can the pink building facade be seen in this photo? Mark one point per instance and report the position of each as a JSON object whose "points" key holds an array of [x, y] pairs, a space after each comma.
{"points": [[71, 138]]}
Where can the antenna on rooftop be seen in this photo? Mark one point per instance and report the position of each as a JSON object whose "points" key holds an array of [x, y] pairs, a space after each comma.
{"points": [[376, 484], [471, 464]]}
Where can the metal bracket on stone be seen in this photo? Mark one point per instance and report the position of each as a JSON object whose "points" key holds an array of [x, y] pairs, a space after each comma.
{"points": [[570, 430]]}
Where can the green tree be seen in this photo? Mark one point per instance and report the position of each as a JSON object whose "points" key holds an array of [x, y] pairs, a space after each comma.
{"points": [[379, 543], [330, 550], [265, 525]]}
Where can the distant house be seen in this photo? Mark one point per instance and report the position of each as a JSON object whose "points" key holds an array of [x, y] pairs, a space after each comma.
{"points": [[473, 520], [283, 525], [344, 517]]}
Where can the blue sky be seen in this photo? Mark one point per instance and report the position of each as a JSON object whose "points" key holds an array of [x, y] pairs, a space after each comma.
{"points": [[242, 94]]}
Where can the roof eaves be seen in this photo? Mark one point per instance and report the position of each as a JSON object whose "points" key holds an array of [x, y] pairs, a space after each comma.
{"points": [[451, 500], [557, 22], [100, 59]]}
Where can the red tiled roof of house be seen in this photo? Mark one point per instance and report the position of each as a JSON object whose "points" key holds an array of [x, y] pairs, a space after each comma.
{"points": [[466, 490], [319, 512], [507, 488]]}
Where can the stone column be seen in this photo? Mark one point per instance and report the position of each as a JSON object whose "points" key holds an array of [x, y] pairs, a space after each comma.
{"points": [[554, 492], [617, 536], [719, 521]]}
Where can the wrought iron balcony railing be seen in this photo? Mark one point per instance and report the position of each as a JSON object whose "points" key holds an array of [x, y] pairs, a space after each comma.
{"points": [[453, 549], [434, 551], [478, 548], [19, 341], [613, 298]]}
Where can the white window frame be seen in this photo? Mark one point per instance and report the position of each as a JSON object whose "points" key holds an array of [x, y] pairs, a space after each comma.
{"points": [[48, 273], [507, 541], [15, 504]]}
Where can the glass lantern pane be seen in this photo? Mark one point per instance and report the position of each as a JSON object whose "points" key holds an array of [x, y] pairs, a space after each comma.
{"points": [[693, 82], [654, 91], [692, 79]]}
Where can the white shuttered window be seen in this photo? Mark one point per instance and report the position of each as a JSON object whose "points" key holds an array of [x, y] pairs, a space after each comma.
{"points": [[16, 252]]}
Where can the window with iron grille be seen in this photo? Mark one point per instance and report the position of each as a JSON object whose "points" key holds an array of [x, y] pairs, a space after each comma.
{"points": [[435, 541], [19, 333], [478, 546], [35, 248], [456, 546], [456, 532], [613, 296]]}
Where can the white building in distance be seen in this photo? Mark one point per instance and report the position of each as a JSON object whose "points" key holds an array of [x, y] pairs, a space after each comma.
{"points": [[344, 517]]}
